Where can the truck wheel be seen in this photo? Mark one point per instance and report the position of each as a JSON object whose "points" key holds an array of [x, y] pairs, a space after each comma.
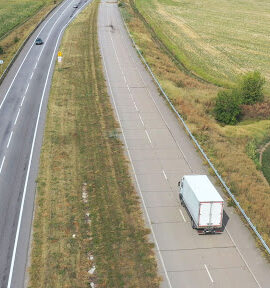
{"points": [[193, 224]]}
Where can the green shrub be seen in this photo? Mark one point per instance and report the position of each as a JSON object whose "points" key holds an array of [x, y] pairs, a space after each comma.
{"points": [[251, 150], [227, 108], [1, 50], [265, 164], [16, 39], [251, 88]]}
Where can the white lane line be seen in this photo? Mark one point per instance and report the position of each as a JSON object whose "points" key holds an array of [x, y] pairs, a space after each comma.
{"points": [[22, 100], [125, 79], [136, 106], [17, 116], [31, 75], [33, 145], [148, 137], [141, 119], [182, 215], [38, 58], [36, 65], [9, 139], [165, 176], [4, 99], [133, 168], [208, 273], [2, 164], [241, 255], [27, 88]]}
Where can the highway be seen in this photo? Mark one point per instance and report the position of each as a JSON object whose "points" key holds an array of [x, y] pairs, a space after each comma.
{"points": [[160, 153], [23, 103]]}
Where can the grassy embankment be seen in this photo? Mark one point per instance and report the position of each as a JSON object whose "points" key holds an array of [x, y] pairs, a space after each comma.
{"points": [[17, 19], [86, 204], [230, 147]]}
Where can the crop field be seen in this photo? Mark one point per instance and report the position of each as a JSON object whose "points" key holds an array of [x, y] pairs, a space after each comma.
{"points": [[232, 149], [216, 39], [14, 12], [88, 224]]}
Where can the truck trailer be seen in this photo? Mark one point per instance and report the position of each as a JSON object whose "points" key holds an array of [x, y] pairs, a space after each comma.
{"points": [[203, 203]]}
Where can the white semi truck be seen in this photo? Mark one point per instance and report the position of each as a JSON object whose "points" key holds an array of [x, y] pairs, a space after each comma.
{"points": [[203, 202]]}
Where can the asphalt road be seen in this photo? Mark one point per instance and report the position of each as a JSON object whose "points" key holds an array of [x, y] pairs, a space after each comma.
{"points": [[160, 153], [23, 102]]}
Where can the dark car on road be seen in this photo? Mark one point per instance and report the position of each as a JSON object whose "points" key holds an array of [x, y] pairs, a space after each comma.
{"points": [[76, 6], [39, 41]]}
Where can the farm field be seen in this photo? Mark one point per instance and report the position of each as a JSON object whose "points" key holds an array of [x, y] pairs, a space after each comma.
{"points": [[87, 214], [233, 149], [14, 12], [216, 39]]}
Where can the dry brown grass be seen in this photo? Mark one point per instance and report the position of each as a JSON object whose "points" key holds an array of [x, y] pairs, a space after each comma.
{"points": [[84, 187], [225, 146]]}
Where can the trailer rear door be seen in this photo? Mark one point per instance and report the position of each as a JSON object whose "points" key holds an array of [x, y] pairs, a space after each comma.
{"points": [[204, 213], [217, 213], [210, 214]]}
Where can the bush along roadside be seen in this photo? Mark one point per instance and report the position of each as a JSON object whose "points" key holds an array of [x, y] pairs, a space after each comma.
{"points": [[228, 103]]}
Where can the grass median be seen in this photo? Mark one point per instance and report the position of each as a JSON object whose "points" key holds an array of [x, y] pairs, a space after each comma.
{"points": [[88, 225]]}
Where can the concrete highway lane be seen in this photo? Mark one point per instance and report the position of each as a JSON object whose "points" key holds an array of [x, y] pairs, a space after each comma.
{"points": [[160, 153], [23, 100]]}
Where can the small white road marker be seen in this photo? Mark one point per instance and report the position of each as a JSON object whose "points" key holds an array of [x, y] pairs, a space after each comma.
{"points": [[31, 75], [148, 136], [208, 273], [136, 107], [182, 215], [164, 174], [3, 161], [17, 117], [141, 119], [22, 100], [9, 139], [26, 88]]}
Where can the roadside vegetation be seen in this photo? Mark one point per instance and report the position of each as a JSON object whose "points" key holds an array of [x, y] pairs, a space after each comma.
{"points": [[88, 226], [265, 163], [228, 104], [234, 149], [18, 18]]}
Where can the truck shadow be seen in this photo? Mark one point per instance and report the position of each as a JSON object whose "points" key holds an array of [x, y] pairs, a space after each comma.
{"points": [[225, 220]]}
